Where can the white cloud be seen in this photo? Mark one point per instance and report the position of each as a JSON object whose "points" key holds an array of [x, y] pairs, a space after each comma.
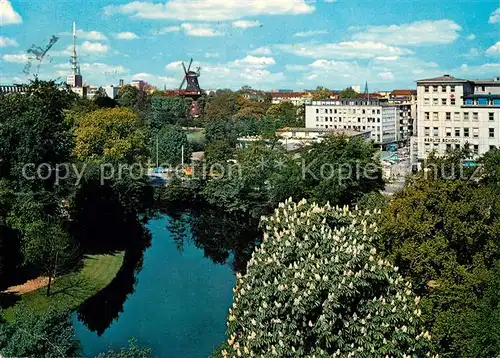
{"points": [[126, 36], [210, 10], [93, 48], [344, 50], [93, 70], [330, 1], [261, 51], [415, 33], [174, 65], [494, 50], [6, 41], [386, 76], [471, 37], [8, 16], [249, 70], [494, 17], [379, 71], [200, 30], [245, 24], [16, 58], [156, 80], [311, 33], [168, 29], [211, 54], [90, 35], [486, 70], [255, 61], [473, 52]]}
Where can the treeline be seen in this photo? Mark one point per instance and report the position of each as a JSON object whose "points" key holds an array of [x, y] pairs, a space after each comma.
{"points": [[314, 287], [57, 204]]}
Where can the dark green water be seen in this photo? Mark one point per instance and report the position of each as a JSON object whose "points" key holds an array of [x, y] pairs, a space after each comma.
{"points": [[176, 304]]}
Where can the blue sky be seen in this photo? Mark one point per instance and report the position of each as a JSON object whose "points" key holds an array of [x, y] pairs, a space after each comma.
{"points": [[266, 44]]}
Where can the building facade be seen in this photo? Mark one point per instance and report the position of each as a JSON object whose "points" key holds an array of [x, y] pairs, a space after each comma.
{"points": [[379, 117], [453, 113]]}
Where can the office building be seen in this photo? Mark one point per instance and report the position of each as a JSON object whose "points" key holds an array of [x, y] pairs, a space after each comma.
{"points": [[296, 98], [453, 113], [377, 116]]}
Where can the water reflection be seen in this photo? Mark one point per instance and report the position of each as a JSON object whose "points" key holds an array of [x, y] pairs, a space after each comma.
{"points": [[99, 311], [223, 237]]}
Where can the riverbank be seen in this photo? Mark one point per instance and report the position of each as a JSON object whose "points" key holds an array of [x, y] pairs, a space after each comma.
{"points": [[71, 290]]}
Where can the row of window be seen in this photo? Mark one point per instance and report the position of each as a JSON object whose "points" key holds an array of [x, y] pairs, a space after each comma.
{"points": [[466, 132], [430, 89], [456, 116], [339, 119], [436, 102], [475, 147], [346, 111]]}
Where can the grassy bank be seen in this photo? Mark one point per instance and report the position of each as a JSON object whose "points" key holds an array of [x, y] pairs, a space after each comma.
{"points": [[71, 290]]}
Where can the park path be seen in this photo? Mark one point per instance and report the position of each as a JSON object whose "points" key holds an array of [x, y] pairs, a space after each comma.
{"points": [[29, 286]]}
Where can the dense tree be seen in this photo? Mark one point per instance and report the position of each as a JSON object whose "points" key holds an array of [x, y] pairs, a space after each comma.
{"points": [[348, 93], [168, 110], [221, 130], [218, 152], [111, 135], [102, 100], [222, 106], [443, 233], [33, 131], [321, 93], [341, 170], [136, 99], [260, 178], [30, 334], [173, 146], [317, 287], [286, 113]]}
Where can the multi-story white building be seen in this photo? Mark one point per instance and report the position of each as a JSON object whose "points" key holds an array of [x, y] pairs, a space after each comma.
{"points": [[453, 113], [377, 116]]}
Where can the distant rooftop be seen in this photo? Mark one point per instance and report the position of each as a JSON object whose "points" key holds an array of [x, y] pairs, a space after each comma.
{"points": [[443, 78]]}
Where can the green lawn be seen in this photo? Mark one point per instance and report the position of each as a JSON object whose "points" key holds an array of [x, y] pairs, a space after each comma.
{"points": [[196, 136], [70, 291]]}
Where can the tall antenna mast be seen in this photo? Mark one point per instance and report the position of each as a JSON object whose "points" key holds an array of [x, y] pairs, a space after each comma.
{"points": [[74, 61]]}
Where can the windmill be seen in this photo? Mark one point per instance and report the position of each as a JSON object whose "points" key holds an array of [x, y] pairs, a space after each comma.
{"points": [[191, 78]]}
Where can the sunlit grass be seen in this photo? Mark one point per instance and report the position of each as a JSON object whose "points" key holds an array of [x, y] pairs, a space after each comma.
{"points": [[71, 290]]}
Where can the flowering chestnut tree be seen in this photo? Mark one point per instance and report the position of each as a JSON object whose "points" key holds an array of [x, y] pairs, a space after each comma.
{"points": [[316, 287]]}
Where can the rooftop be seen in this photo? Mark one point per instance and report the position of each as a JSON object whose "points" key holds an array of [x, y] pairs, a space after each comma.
{"points": [[443, 78]]}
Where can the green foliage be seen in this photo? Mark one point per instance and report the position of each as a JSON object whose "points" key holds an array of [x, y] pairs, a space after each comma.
{"points": [[222, 106], [221, 130], [115, 134], [341, 170], [134, 98], [171, 140], [256, 183], [49, 335], [443, 232], [168, 110], [348, 93], [218, 152], [132, 351], [316, 287], [33, 130], [287, 114], [321, 93]]}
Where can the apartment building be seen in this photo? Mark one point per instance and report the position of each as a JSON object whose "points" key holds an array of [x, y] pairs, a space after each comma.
{"points": [[374, 115], [407, 102], [453, 113]]}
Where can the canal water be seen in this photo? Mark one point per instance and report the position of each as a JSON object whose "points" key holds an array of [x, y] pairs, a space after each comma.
{"points": [[171, 298]]}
